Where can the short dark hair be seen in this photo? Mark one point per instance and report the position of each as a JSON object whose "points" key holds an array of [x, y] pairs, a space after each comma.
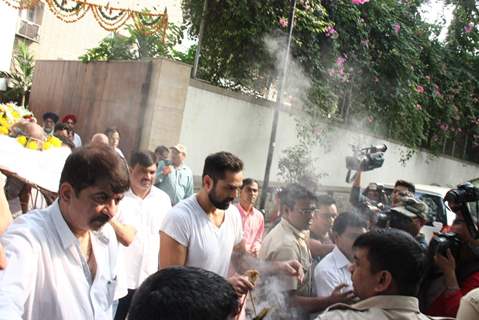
{"points": [[248, 182], [348, 219], [143, 158], [92, 164], [161, 149], [217, 164], [399, 253], [294, 192], [409, 185], [110, 131], [184, 293], [50, 115], [325, 200], [62, 126]]}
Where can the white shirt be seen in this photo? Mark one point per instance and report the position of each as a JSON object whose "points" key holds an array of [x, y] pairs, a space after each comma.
{"points": [[209, 247], [332, 271], [76, 140], [47, 277], [145, 215]]}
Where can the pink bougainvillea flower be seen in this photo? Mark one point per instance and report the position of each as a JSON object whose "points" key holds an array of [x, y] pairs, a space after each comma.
{"points": [[340, 61], [283, 22], [331, 32], [359, 1], [443, 126], [468, 27], [396, 28], [419, 89]]}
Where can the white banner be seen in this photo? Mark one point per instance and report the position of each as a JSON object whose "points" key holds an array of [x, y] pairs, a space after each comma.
{"points": [[42, 168]]}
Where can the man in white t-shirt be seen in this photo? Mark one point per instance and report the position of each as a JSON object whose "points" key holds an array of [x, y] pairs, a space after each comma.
{"points": [[333, 269], [203, 230], [142, 208]]}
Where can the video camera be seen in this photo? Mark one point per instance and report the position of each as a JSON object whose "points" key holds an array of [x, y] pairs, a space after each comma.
{"points": [[460, 197], [365, 159]]}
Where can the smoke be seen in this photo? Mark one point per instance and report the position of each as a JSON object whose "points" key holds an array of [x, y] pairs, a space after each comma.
{"points": [[271, 292]]}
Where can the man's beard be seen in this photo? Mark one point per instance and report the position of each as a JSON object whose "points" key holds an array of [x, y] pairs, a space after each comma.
{"points": [[222, 204]]}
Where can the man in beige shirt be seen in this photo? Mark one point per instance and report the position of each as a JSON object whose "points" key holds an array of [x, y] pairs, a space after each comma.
{"points": [[386, 272], [289, 241]]}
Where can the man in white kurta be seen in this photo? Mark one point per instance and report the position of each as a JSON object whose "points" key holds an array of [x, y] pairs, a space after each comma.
{"points": [[142, 208], [62, 260]]}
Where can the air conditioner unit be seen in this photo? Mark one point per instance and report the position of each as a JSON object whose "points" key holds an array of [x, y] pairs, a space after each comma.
{"points": [[28, 29]]}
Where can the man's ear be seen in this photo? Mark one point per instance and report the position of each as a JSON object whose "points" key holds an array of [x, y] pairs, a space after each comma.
{"points": [[384, 281], [208, 183], [66, 192]]}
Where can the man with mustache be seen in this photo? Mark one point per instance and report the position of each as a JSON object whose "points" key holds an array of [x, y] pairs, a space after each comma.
{"points": [[62, 260], [140, 214], [252, 218]]}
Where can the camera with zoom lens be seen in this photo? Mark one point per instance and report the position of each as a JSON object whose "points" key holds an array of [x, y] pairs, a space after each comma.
{"points": [[443, 241], [460, 197], [366, 159]]}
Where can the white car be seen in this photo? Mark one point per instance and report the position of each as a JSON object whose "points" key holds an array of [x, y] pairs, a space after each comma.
{"points": [[439, 215]]}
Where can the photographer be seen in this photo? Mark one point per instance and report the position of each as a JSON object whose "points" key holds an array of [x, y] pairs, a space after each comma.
{"points": [[456, 259], [370, 202], [409, 215]]}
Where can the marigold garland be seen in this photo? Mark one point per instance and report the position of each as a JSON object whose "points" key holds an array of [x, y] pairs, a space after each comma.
{"points": [[10, 114], [109, 18]]}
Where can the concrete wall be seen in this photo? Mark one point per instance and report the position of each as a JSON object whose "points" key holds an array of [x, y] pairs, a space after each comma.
{"points": [[165, 104], [216, 119]]}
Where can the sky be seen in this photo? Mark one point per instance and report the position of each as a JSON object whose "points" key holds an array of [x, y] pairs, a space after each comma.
{"points": [[436, 11]]}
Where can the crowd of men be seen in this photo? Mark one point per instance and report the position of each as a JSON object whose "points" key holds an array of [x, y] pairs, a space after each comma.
{"points": [[129, 239]]}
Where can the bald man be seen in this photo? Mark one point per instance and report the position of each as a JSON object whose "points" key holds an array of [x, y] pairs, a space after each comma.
{"points": [[99, 138]]}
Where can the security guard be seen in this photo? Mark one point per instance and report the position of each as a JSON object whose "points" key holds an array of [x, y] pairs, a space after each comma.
{"points": [[387, 268]]}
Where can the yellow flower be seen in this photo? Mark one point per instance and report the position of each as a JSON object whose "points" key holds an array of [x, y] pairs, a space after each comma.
{"points": [[22, 140], [16, 114], [47, 145], [54, 141], [4, 122], [3, 130], [33, 145]]}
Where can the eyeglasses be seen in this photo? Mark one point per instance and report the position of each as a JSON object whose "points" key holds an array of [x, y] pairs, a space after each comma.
{"points": [[307, 211]]}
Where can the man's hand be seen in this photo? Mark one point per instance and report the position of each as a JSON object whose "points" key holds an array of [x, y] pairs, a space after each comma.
{"points": [[240, 284], [448, 268], [292, 268], [446, 264], [342, 297]]}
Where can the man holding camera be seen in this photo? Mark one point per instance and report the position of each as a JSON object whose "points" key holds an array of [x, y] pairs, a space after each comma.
{"points": [[373, 199], [458, 262]]}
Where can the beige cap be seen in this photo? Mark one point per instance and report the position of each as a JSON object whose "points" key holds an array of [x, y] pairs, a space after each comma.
{"points": [[180, 148], [412, 208]]}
